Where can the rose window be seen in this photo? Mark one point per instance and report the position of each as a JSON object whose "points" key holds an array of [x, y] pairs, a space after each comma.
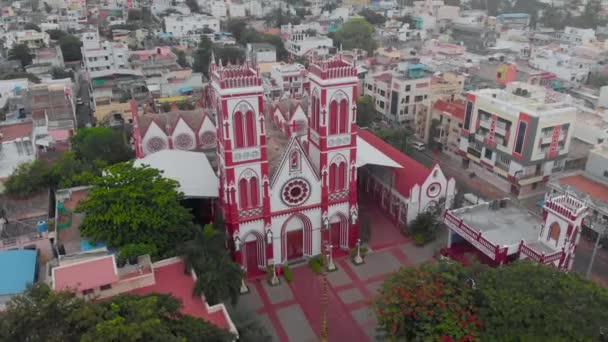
{"points": [[433, 190], [208, 139], [184, 142], [156, 144], [296, 192]]}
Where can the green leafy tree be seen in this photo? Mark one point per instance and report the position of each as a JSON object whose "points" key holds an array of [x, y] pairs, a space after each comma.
{"points": [[31, 26], [61, 73], [219, 278], [238, 28], [278, 18], [425, 227], [101, 143], [372, 17], [398, 137], [47, 8], [15, 75], [182, 60], [366, 111], [28, 178], [356, 34], [70, 48], [193, 5], [21, 53], [428, 303], [131, 204], [529, 302], [33, 316]]}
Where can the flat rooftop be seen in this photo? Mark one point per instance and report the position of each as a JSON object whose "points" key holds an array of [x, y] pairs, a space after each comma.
{"points": [[503, 226], [580, 183]]}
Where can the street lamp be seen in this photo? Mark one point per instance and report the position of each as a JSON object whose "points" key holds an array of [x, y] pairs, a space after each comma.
{"points": [[358, 259], [330, 265]]}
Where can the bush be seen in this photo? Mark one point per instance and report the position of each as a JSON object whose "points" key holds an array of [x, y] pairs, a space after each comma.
{"points": [[419, 240], [424, 228], [353, 252], [132, 251], [287, 273], [315, 264]]}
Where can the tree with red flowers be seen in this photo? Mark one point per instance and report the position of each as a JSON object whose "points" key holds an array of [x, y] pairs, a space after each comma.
{"points": [[432, 302]]}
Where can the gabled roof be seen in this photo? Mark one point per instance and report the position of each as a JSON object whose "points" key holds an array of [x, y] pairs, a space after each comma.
{"points": [[168, 121], [411, 173], [280, 163], [288, 107]]}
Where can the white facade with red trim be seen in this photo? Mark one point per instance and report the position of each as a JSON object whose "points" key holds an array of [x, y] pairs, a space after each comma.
{"points": [[285, 191]]}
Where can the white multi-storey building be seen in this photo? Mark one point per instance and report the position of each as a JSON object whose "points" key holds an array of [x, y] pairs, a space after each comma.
{"points": [[33, 39], [181, 26], [300, 44], [102, 55], [516, 137], [399, 95], [291, 78], [562, 63]]}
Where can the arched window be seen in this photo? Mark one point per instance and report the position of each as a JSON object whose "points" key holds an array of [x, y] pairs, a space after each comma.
{"points": [[249, 193], [333, 117], [239, 134], [254, 192], [250, 129], [332, 177], [343, 116], [313, 114], [294, 161], [318, 113], [243, 193], [341, 177]]}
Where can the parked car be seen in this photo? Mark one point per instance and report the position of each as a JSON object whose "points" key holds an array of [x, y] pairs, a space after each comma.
{"points": [[417, 145]]}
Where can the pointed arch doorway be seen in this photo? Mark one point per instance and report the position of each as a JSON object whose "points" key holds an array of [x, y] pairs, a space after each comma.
{"points": [[254, 254], [296, 238]]}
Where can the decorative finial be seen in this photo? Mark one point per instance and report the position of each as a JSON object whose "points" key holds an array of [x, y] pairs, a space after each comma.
{"points": [[221, 64], [212, 57]]}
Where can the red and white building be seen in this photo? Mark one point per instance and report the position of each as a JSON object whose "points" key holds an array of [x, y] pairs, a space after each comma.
{"points": [[503, 232], [285, 189]]}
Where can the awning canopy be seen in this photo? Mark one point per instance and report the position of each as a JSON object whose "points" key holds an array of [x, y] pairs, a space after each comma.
{"points": [[191, 169], [368, 154]]}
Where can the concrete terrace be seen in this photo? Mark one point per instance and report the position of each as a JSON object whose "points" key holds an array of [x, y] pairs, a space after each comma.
{"points": [[502, 226]]}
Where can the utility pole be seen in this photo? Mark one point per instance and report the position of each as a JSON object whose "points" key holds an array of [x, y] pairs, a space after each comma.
{"points": [[595, 247], [324, 295]]}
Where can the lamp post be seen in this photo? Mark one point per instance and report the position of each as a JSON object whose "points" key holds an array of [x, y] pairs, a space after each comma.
{"points": [[324, 295], [244, 289], [330, 265], [358, 259]]}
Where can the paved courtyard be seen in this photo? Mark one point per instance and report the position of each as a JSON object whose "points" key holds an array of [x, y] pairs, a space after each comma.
{"points": [[292, 311]]}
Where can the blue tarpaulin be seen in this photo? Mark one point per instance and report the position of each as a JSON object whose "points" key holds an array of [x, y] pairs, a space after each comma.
{"points": [[185, 89]]}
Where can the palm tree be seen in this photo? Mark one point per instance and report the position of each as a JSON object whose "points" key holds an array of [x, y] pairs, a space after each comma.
{"points": [[218, 277], [207, 244], [219, 280]]}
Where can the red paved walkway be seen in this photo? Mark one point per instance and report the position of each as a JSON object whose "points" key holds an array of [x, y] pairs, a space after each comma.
{"points": [[384, 234]]}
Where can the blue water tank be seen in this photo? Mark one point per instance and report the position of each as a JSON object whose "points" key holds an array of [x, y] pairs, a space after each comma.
{"points": [[43, 226]]}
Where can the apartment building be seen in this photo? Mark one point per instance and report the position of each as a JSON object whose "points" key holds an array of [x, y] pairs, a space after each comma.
{"points": [[33, 39], [399, 94], [181, 26], [515, 137], [100, 55], [447, 86], [300, 44], [292, 78], [447, 118]]}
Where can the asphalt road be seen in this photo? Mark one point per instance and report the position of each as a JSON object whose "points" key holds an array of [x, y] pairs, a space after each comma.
{"points": [[83, 111]]}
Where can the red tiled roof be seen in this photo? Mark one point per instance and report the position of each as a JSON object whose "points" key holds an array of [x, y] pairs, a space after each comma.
{"points": [[596, 190], [85, 275], [12, 132], [412, 172], [171, 279], [455, 109]]}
